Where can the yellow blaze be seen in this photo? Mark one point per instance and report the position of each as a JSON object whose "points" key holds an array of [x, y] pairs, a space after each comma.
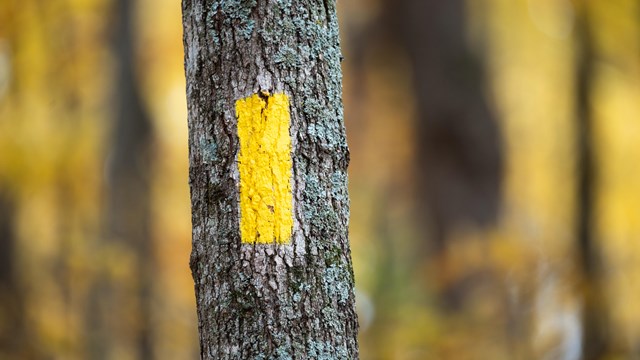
{"points": [[264, 163]]}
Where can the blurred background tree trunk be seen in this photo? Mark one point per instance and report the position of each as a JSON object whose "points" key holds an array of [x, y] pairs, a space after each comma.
{"points": [[459, 160], [121, 309], [13, 338], [596, 336]]}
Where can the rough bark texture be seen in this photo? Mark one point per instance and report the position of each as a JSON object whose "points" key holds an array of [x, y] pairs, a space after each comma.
{"points": [[267, 301]]}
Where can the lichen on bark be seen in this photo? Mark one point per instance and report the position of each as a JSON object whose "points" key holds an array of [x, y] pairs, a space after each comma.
{"points": [[269, 301]]}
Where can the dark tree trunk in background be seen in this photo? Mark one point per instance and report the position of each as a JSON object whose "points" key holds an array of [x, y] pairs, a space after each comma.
{"points": [[459, 147], [269, 301], [596, 332], [129, 176], [13, 340], [124, 315]]}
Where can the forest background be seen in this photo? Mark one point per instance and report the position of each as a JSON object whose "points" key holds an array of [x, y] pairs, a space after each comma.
{"points": [[494, 179]]}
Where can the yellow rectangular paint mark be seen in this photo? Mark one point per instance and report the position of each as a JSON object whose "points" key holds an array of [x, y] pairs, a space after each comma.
{"points": [[265, 169]]}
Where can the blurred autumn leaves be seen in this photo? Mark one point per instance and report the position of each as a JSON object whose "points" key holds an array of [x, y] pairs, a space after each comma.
{"points": [[516, 280], [464, 127], [93, 161]]}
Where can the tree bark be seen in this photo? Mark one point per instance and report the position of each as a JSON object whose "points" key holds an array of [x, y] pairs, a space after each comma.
{"points": [[269, 300]]}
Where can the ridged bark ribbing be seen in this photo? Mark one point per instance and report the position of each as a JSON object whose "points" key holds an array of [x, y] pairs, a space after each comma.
{"points": [[268, 301]]}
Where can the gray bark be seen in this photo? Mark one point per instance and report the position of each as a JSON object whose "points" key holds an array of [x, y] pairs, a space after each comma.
{"points": [[269, 301]]}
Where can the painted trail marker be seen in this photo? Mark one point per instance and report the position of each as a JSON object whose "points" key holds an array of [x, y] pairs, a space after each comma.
{"points": [[265, 164]]}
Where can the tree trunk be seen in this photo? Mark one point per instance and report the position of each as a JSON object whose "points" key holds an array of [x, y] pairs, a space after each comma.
{"points": [[459, 142], [596, 338], [120, 308], [13, 338], [268, 176], [459, 147]]}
